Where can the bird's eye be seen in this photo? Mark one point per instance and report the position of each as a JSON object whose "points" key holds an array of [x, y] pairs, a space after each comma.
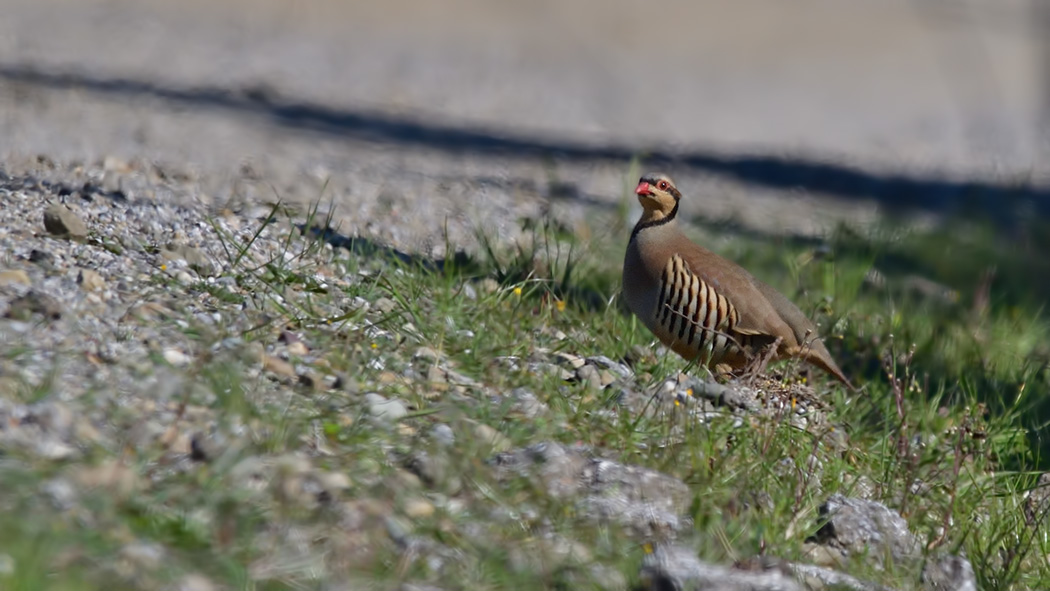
{"points": [[662, 185]]}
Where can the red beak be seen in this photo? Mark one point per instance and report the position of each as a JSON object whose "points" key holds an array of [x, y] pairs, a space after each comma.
{"points": [[642, 188]]}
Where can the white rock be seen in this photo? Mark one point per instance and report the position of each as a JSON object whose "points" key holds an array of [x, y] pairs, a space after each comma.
{"points": [[176, 358]]}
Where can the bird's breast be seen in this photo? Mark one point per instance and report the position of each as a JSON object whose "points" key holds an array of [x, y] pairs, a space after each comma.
{"points": [[640, 287]]}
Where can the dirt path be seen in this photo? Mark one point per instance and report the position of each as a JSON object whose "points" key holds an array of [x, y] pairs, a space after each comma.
{"points": [[418, 110]]}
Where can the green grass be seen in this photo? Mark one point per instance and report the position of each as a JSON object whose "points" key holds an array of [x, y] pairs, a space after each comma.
{"points": [[948, 429]]}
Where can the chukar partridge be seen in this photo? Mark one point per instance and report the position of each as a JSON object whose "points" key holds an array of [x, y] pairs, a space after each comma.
{"points": [[702, 306]]}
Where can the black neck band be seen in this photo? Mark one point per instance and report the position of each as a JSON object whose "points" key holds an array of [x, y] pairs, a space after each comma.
{"points": [[643, 225]]}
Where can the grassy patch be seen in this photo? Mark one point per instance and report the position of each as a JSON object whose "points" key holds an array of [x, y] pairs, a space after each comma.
{"points": [[947, 430]]}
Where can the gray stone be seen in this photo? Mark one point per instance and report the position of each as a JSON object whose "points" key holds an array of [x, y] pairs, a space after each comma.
{"points": [[60, 221], [645, 501], [817, 577], [605, 363], [443, 434], [383, 409], [721, 395], [385, 305], [1037, 502], [949, 573], [861, 527], [526, 404], [678, 568], [144, 555], [60, 492], [590, 375]]}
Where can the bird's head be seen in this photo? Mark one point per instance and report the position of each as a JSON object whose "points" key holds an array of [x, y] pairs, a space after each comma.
{"points": [[657, 194]]}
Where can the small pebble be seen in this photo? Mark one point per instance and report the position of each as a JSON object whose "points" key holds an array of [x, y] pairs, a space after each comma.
{"points": [[15, 277], [60, 492], [443, 434], [195, 582], [176, 358], [426, 354], [383, 409], [335, 482], [385, 305], [90, 280], [419, 508], [490, 437], [589, 374], [278, 366], [144, 555]]}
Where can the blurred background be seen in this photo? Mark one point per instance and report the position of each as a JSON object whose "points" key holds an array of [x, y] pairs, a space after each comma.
{"points": [[836, 107], [781, 121]]}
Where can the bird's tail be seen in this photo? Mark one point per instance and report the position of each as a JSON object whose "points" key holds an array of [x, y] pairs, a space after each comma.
{"points": [[822, 359]]}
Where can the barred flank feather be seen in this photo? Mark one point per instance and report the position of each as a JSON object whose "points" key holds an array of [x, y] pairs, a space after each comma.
{"points": [[693, 314]]}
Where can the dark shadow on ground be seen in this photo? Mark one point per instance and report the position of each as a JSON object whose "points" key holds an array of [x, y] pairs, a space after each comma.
{"points": [[506, 270], [366, 248], [1002, 200]]}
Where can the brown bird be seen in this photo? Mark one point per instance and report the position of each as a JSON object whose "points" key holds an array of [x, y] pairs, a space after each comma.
{"points": [[702, 306]]}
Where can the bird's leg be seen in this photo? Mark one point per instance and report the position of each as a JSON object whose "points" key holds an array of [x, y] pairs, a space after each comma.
{"points": [[761, 361], [723, 372]]}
